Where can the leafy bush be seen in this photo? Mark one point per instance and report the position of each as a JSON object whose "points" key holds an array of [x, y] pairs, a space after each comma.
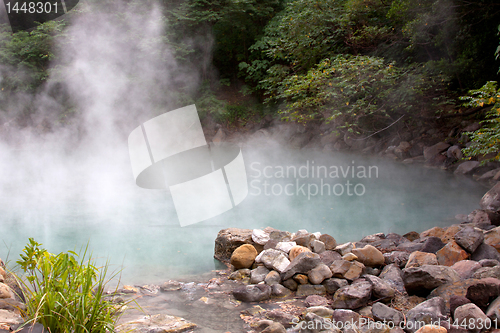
{"points": [[65, 293], [485, 140]]}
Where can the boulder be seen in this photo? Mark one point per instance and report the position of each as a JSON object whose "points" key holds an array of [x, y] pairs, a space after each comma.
{"points": [[485, 251], [354, 271], [329, 241], [466, 268], [411, 236], [491, 200], [319, 273], [399, 258], [344, 248], [260, 236], [450, 232], [229, 240], [456, 301], [382, 312], [433, 232], [431, 244], [303, 263], [328, 257], [450, 290], [344, 317], [417, 259], [450, 254], [290, 284], [483, 291], [369, 256], [469, 238], [258, 275], [309, 289], [428, 312], [317, 246], [381, 290], [296, 250], [315, 300], [431, 153], [252, 293], [354, 296], [487, 272], [454, 152], [421, 280], [466, 168], [474, 318], [277, 290], [492, 238], [489, 262], [334, 284], [285, 246], [243, 256], [393, 275], [272, 277]]}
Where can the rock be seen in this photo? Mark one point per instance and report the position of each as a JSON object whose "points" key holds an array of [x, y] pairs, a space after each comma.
{"points": [[304, 239], [260, 236], [318, 246], [466, 268], [466, 168], [315, 300], [450, 254], [228, 240], [171, 285], [394, 277], [369, 256], [281, 317], [454, 152], [157, 323], [447, 291], [473, 316], [381, 290], [277, 290], [417, 259], [491, 200], [419, 280], [344, 248], [252, 293], [258, 275], [432, 329], [243, 256], [344, 317], [303, 263], [430, 153], [340, 267], [488, 175], [285, 246], [5, 291], [321, 311], [428, 312], [382, 312], [485, 251], [432, 244], [309, 289], [433, 232], [280, 236], [493, 310], [349, 256], [301, 279], [402, 151], [492, 238], [469, 238], [319, 273], [272, 277], [274, 328], [456, 301], [479, 216], [399, 258], [280, 263], [328, 257], [410, 246], [271, 244], [273, 259], [366, 312], [483, 291], [290, 284], [329, 241], [334, 284], [412, 235], [489, 262], [296, 250], [354, 296], [450, 232], [239, 274]]}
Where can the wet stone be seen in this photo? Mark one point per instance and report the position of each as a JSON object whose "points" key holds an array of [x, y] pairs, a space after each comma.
{"points": [[309, 289]]}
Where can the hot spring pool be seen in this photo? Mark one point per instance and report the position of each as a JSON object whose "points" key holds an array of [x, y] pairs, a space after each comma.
{"points": [[69, 203]]}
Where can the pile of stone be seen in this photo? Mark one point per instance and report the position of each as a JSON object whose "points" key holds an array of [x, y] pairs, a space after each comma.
{"points": [[445, 276]]}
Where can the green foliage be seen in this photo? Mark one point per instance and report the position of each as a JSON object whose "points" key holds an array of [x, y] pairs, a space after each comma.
{"points": [[485, 140], [65, 293], [358, 93]]}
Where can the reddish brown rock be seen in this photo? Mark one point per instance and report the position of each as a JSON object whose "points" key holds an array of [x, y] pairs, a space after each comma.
{"points": [[449, 233], [492, 238], [296, 250], [450, 254], [418, 259], [434, 232], [243, 256], [466, 268]]}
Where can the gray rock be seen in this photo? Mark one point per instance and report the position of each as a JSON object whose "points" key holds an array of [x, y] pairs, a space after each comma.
{"points": [[345, 317], [258, 275], [489, 262], [493, 310], [157, 323], [281, 317], [431, 152], [274, 328], [333, 284], [344, 248], [328, 257], [240, 274], [380, 289], [252, 293], [303, 263], [472, 315], [228, 240], [290, 284], [272, 277], [466, 268], [277, 290], [354, 296], [485, 251], [393, 275], [491, 200], [421, 280], [321, 311], [318, 246], [469, 238], [329, 241], [431, 244], [410, 246], [260, 236], [273, 259], [487, 272], [382, 312], [454, 152], [466, 168], [428, 312], [309, 289], [400, 258], [319, 273], [315, 300], [285, 246]]}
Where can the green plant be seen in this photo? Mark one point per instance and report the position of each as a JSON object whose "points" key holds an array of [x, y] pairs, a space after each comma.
{"points": [[485, 140], [65, 292]]}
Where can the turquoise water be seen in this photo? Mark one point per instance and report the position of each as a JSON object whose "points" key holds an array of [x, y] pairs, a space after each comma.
{"points": [[137, 229]]}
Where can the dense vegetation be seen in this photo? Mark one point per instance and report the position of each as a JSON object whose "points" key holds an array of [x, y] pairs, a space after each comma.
{"points": [[361, 64]]}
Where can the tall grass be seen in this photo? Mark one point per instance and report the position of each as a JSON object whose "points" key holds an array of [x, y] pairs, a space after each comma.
{"points": [[65, 292]]}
